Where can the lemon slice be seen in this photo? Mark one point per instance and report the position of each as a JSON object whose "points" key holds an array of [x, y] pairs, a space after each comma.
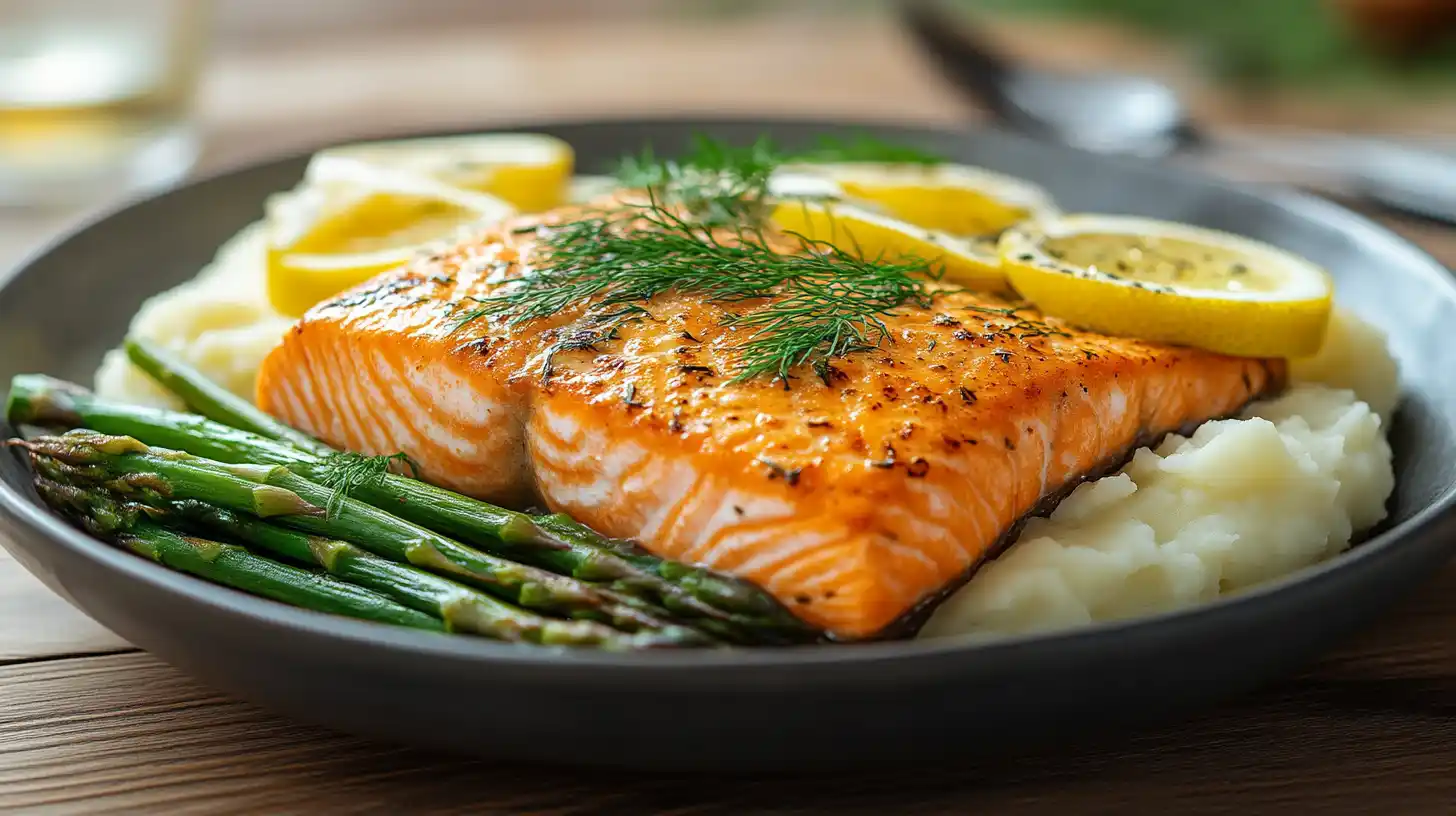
{"points": [[954, 198], [1172, 283], [532, 171], [872, 235], [356, 220]]}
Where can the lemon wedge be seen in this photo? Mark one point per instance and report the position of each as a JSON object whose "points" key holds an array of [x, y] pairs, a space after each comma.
{"points": [[355, 220], [872, 235], [532, 171], [953, 198], [1170, 282]]}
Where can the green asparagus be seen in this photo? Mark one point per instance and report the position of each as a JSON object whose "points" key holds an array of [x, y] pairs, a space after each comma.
{"points": [[226, 564], [744, 612], [463, 609], [195, 389], [269, 491]]}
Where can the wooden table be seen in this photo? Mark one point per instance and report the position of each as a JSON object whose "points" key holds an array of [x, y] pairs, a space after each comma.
{"points": [[89, 724]]}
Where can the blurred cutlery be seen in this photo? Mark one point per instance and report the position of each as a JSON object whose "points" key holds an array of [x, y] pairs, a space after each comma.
{"points": [[1119, 113]]}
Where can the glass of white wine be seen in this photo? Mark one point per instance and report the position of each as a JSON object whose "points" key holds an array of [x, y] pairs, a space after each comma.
{"points": [[96, 97]]}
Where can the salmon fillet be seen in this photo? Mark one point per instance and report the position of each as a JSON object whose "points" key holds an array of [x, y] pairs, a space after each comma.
{"points": [[855, 500]]}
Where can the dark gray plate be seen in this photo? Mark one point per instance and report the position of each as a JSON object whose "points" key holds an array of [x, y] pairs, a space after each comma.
{"points": [[776, 710]]}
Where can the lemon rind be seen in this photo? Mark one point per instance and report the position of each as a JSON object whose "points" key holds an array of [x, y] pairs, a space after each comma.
{"points": [[1008, 189], [976, 267]]}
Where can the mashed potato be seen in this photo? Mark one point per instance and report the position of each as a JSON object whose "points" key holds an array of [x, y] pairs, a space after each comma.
{"points": [[220, 322], [1354, 356], [1240, 502]]}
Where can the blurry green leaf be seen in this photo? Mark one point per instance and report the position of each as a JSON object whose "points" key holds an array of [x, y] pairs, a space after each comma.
{"points": [[1254, 41]]}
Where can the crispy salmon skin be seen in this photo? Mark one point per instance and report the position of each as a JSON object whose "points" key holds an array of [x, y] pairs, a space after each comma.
{"points": [[853, 499]]}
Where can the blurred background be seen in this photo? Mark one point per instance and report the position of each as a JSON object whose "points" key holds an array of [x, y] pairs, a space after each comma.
{"points": [[103, 99]]}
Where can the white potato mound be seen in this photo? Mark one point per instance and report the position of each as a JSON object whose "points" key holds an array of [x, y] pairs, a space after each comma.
{"points": [[219, 322], [1240, 502], [1354, 356]]}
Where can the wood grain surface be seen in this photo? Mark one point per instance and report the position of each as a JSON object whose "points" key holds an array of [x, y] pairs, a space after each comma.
{"points": [[88, 725], [1371, 727], [35, 623]]}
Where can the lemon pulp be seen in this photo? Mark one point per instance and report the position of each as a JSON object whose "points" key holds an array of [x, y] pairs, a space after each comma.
{"points": [[383, 221], [1171, 283], [957, 199], [1163, 260], [958, 211], [324, 239]]}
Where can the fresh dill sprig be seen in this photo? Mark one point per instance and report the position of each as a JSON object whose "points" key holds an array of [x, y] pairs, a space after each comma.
{"points": [[764, 154], [346, 472], [715, 184], [699, 233], [831, 307], [820, 304], [599, 259], [863, 147], [719, 184]]}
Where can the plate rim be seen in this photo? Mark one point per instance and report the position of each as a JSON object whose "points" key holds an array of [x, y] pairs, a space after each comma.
{"points": [[25, 517]]}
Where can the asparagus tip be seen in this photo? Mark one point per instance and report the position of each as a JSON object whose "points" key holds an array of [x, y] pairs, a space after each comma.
{"points": [[521, 528], [79, 447], [271, 501], [39, 399]]}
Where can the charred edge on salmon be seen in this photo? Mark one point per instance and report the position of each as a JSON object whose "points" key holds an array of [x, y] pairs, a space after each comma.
{"points": [[909, 623]]}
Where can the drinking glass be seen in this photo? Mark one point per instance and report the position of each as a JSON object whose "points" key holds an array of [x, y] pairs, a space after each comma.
{"points": [[96, 96]]}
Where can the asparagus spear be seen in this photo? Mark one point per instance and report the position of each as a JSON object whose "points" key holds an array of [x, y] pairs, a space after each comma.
{"points": [[36, 399], [269, 491], [745, 612], [226, 564], [196, 390], [560, 544], [463, 609]]}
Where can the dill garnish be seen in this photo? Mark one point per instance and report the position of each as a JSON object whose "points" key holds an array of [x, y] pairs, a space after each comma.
{"points": [[630, 398], [699, 233], [708, 153], [778, 471], [818, 305], [864, 148], [345, 472], [831, 307], [716, 184]]}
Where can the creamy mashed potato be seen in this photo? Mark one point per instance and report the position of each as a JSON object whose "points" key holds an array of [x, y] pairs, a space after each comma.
{"points": [[220, 322], [1354, 356], [1240, 502]]}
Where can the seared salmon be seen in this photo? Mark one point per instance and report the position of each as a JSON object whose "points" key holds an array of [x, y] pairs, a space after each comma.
{"points": [[855, 500]]}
